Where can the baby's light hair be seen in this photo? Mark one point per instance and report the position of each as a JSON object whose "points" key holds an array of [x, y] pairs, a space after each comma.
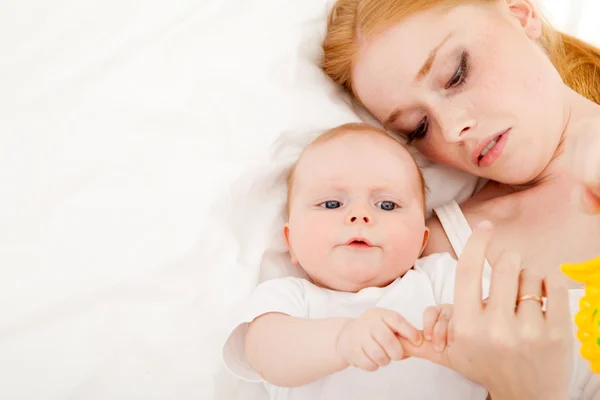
{"points": [[340, 131]]}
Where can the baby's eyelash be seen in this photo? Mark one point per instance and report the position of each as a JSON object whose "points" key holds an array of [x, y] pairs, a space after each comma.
{"points": [[330, 204], [387, 205]]}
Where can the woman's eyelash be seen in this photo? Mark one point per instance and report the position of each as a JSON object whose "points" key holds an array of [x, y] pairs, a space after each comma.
{"points": [[418, 133], [457, 80], [461, 73]]}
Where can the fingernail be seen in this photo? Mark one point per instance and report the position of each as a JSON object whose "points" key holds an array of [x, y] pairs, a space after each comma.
{"points": [[485, 225], [418, 340], [591, 200]]}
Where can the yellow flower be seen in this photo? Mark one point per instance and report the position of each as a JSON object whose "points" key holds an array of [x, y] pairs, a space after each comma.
{"points": [[587, 318]]}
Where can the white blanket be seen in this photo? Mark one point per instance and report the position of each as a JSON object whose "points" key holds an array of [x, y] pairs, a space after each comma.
{"points": [[139, 187]]}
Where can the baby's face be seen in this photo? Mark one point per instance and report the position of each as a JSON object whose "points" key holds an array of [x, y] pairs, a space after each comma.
{"points": [[356, 212]]}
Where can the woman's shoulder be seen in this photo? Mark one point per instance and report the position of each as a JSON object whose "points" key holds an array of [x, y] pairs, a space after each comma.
{"points": [[493, 202]]}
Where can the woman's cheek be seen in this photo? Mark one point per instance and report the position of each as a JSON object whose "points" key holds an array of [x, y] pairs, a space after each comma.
{"points": [[435, 152]]}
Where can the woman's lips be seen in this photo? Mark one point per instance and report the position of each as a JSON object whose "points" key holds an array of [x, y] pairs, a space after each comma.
{"points": [[490, 154]]}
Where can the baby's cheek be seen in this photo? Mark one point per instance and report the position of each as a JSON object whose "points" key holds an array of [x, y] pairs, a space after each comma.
{"points": [[311, 240], [407, 239]]}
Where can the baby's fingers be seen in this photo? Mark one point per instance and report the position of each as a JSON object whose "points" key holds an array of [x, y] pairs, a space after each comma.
{"points": [[374, 352], [402, 327], [361, 360], [389, 342]]}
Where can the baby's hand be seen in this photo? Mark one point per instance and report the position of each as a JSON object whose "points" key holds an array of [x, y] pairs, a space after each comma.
{"points": [[371, 340], [436, 321], [583, 152]]}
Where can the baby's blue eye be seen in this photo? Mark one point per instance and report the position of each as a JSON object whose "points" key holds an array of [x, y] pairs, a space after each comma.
{"points": [[387, 205], [332, 204]]}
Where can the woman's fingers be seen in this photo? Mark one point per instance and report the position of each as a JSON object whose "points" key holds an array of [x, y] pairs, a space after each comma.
{"points": [[430, 317], [440, 331], [529, 305], [585, 155], [402, 327], [467, 291], [425, 351], [583, 152], [505, 283], [588, 199], [436, 320], [558, 314]]}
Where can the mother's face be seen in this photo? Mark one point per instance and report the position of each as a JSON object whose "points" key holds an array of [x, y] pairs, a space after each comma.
{"points": [[469, 87]]}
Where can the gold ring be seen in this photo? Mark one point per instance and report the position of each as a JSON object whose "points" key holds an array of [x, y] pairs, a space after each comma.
{"points": [[531, 297]]}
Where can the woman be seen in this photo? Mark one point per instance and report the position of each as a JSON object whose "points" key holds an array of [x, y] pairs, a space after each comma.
{"points": [[489, 88]]}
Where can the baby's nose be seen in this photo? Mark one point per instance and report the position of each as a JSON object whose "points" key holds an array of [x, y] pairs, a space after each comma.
{"points": [[357, 219]]}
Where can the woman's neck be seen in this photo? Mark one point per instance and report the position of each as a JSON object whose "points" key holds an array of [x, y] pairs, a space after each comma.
{"points": [[577, 109]]}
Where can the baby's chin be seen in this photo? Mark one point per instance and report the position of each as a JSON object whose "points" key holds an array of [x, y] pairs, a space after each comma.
{"points": [[356, 278]]}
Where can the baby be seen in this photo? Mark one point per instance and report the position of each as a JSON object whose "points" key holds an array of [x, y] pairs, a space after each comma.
{"points": [[356, 206]]}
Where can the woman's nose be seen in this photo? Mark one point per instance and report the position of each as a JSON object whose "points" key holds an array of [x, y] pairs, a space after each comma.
{"points": [[455, 123]]}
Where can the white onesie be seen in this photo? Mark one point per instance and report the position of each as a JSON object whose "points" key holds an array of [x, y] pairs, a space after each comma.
{"points": [[431, 282]]}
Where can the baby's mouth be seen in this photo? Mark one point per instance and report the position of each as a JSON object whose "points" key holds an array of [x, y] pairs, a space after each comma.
{"points": [[359, 243]]}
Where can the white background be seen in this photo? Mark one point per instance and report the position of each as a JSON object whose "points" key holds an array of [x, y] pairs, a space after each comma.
{"points": [[122, 126]]}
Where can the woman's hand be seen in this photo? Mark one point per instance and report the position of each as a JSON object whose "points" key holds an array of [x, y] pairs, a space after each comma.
{"points": [[583, 152], [513, 349], [436, 324]]}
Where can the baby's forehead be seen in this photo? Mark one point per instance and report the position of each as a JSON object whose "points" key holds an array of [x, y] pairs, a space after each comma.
{"points": [[319, 158], [353, 151], [353, 146]]}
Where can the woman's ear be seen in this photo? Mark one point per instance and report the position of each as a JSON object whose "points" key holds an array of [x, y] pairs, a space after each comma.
{"points": [[286, 236], [425, 240], [526, 14]]}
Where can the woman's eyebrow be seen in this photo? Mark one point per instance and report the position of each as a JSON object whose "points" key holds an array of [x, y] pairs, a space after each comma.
{"points": [[429, 62], [420, 76]]}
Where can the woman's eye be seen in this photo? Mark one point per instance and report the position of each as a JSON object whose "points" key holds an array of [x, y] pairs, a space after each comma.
{"points": [[461, 72], [387, 205], [420, 132], [331, 204]]}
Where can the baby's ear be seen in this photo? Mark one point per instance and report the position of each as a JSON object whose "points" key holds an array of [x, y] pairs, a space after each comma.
{"points": [[425, 240], [286, 236]]}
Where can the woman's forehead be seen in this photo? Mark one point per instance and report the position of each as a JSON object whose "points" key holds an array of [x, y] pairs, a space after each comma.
{"points": [[395, 56], [390, 62]]}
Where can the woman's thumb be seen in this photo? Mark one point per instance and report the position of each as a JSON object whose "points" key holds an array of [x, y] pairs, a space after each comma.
{"points": [[588, 199], [425, 351]]}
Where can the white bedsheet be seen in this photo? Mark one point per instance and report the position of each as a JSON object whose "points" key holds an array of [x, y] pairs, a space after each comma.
{"points": [[124, 241]]}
